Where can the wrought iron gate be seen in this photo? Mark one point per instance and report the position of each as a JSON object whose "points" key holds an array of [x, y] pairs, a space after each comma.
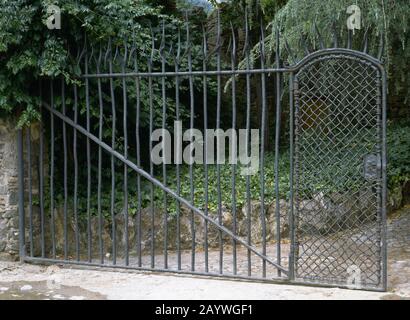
{"points": [[329, 231], [340, 168]]}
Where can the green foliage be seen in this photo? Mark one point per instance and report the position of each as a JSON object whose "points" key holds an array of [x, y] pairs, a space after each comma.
{"points": [[398, 141], [387, 19], [270, 7], [226, 175], [198, 174], [29, 50]]}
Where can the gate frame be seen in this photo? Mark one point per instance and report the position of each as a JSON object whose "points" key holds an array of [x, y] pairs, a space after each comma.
{"points": [[294, 91], [291, 70]]}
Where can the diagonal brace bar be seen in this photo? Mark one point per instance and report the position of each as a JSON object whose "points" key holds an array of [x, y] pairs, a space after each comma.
{"points": [[161, 186]]}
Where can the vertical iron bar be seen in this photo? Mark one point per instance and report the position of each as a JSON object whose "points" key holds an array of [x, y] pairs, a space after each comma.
{"points": [[218, 126], [235, 153], [248, 124], [151, 166], [262, 152], [349, 39], [305, 44], [87, 102], [321, 43], [113, 137], [41, 168], [100, 136], [191, 167], [205, 106], [335, 38], [291, 146], [366, 41], [125, 107], [164, 166], [22, 227], [75, 156], [384, 178], [177, 156], [53, 238], [30, 189], [65, 170], [381, 47], [138, 146], [277, 140]]}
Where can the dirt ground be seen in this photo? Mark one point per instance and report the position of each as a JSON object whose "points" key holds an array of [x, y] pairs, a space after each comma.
{"points": [[38, 282], [28, 281]]}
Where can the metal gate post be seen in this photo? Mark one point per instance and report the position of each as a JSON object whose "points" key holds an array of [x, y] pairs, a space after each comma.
{"points": [[22, 246], [292, 89], [384, 178]]}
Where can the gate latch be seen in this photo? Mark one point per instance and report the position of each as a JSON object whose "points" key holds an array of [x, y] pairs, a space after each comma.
{"points": [[372, 166]]}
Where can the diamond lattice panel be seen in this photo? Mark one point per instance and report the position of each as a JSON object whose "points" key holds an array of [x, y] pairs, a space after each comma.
{"points": [[338, 207]]}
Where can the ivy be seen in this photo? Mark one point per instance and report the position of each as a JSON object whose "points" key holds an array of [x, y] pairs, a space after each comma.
{"points": [[30, 51], [398, 141]]}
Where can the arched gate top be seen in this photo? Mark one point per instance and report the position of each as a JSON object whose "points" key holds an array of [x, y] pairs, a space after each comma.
{"points": [[332, 52]]}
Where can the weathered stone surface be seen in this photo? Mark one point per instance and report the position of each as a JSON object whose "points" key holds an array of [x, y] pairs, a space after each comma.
{"points": [[8, 190], [185, 227], [320, 215], [9, 197], [333, 212]]}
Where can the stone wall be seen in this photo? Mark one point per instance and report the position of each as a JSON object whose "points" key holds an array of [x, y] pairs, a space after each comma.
{"points": [[8, 190], [9, 221]]}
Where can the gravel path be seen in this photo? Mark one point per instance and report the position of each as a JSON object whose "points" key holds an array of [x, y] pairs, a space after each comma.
{"points": [[26, 281]]}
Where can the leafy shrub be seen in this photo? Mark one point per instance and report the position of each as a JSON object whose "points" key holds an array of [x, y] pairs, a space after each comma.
{"points": [[30, 51], [398, 143]]}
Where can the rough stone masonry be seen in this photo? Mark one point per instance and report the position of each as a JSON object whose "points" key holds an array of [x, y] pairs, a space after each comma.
{"points": [[8, 190]]}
